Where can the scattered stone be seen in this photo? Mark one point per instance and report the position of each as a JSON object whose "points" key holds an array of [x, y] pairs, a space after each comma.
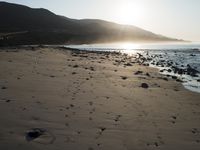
{"points": [[162, 70], [71, 105], [43, 136], [194, 131], [179, 80], [75, 66], [138, 72], [191, 71], [128, 64], [144, 85], [102, 129], [7, 101], [92, 68], [145, 64], [147, 74], [166, 79], [34, 133], [174, 117], [169, 70], [174, 77], [123, 77], [3, 88], [117, 118]]}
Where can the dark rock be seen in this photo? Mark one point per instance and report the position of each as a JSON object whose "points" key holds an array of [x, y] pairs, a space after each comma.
{"points": [[75, 66], [191, 71], [162, 70], [128, 64], [3, 88], [138, 72], [34, 133], [174, 77], [124, 77], [144, 85], [145, 64], [166, 79], [174, 117], [102, 129], [71, 105], [147, 74], [7, 101], [169, 70], [179, 80], [92, 68], [168, 75], [180, 71]]}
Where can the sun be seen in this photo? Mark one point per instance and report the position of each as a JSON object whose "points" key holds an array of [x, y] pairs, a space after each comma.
{"points": [[130, 12]]}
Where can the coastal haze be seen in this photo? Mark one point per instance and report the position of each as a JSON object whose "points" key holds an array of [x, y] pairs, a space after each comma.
{"points": [[173, 18], [40, 26], [128, 78]]}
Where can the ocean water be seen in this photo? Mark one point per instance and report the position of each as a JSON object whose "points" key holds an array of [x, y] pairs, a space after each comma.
{"points": [[179, 55]]}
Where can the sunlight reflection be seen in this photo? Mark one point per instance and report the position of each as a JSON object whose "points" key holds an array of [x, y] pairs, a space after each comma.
{"points": [[129, 46]]}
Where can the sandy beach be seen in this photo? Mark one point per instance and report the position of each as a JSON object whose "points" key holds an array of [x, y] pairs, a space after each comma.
{"points": [[58, 99]]}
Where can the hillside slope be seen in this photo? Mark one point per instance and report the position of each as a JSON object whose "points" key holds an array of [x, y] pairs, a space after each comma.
{"points": [[25, 25]]}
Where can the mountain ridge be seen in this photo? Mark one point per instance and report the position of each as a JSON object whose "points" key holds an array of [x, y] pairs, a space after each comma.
{"points": [[41, 26]]}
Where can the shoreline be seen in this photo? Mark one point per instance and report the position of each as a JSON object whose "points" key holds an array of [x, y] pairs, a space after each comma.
{"points": [[163, 71], [188, 76], [92, 100]]}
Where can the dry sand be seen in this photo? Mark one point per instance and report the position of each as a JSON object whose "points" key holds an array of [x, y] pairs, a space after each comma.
{"points": [[91, 101]]}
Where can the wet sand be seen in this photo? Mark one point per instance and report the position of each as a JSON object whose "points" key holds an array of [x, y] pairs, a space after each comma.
{"points": [[56, 99]]}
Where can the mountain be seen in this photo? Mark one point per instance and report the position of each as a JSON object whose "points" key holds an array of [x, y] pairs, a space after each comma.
{"points": [[24, 25]]}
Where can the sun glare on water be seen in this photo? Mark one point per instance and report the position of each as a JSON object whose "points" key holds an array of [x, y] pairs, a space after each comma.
{"points": [[129, 46]]}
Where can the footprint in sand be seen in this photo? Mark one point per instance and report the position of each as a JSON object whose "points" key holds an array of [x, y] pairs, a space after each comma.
{"points": [[117, 118], [157, 143], [90, 103], [102, 129], [195, 131], [3, 87], [174, 118]]}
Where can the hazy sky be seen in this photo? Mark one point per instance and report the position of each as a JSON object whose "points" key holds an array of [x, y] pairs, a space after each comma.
{"points": [[173, 18]]}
